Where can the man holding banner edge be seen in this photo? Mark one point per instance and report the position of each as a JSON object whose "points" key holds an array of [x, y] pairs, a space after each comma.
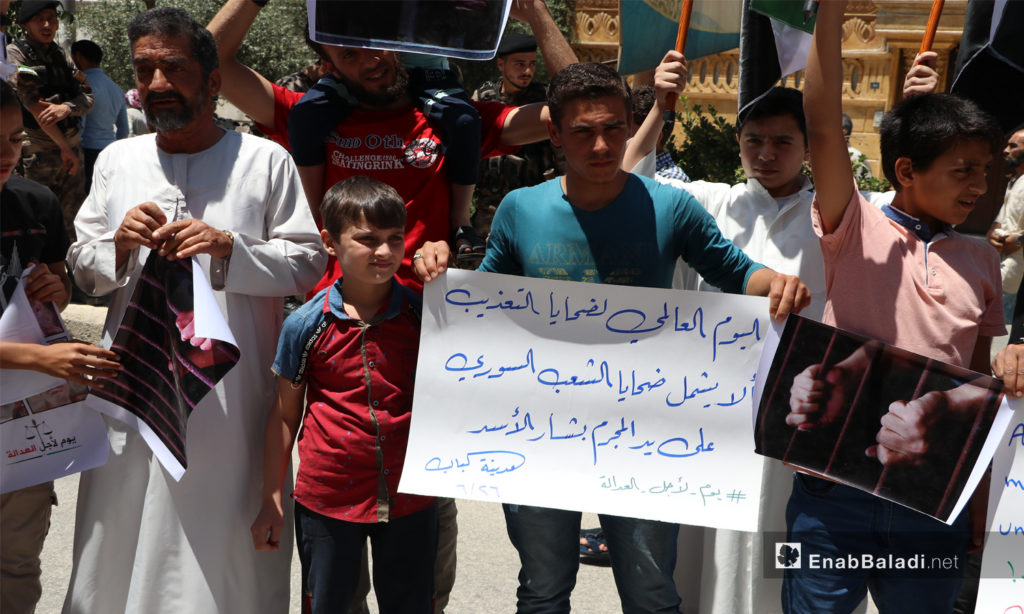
{"points": [[628, 231]]}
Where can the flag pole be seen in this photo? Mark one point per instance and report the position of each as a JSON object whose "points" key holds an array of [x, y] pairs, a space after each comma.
{"points": [[684, 28], [933, 25]]}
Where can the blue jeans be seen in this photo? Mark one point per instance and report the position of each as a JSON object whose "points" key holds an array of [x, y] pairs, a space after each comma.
{"points": [[330, 551], [831, 519], [643, 555]]}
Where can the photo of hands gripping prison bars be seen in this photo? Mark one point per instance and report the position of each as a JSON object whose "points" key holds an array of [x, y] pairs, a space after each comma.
{"points": [[884, 420]]}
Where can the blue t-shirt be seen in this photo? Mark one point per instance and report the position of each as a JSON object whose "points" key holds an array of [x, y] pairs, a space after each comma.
{"points": [[108, 118], [632, 241]]}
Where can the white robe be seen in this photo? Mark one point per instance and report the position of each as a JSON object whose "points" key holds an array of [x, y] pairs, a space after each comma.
{"points": [[775, 232], [143, 542], [721, 571], [778, 234], [1011, 220]]}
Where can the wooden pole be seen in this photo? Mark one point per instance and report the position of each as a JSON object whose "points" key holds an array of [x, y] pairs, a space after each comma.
{"points": [[933, 26], [684, 28]]}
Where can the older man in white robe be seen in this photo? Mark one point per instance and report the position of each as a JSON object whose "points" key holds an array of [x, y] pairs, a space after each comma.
{"points": [[143, 542]]}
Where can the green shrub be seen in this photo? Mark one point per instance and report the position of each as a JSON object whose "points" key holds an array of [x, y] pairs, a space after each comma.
{"points": [[274, 47], [865, 182], [710, 151]]}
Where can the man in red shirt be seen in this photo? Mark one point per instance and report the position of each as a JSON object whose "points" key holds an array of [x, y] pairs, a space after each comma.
{"points": [[386, 137]]}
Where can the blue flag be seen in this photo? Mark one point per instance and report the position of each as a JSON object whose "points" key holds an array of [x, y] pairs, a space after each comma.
{"points": [[648, 29]]}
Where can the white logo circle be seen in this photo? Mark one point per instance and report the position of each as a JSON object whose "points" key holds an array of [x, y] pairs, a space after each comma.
{"points": [[421, 153]]}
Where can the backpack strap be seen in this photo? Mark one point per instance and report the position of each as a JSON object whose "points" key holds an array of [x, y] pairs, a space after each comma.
{"points": [[307, 348]]}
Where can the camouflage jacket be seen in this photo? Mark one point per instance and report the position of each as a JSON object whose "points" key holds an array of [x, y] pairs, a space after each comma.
{"points": [[56, 80], [300, 81], [533, 164]]}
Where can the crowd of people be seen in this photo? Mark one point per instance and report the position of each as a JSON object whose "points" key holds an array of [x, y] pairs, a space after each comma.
{"points": [[484, 181]]}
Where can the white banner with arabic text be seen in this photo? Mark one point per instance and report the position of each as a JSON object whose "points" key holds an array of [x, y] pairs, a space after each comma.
{"points": [[591, 397]]}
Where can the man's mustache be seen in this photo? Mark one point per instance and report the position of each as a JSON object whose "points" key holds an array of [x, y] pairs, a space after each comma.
{"points": [[158, 96]]}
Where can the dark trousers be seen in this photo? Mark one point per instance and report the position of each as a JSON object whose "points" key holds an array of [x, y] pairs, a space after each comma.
{"points": [[403, 561], [643, 556], [835, 521]]}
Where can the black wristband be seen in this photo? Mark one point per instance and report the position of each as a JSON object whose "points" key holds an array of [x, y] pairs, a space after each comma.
{"points": [[260, 3]]}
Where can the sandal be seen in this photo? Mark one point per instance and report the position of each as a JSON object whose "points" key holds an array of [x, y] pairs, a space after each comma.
{"points": [[469, 247], [591, 552]]}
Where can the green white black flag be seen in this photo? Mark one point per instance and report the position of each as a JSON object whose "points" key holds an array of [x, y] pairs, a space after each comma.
{"points": [[774, 42]]}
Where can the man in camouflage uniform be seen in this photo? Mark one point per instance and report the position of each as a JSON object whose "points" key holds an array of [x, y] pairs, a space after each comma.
{"points": [[537, 162], [304, 79], [55, 96]]}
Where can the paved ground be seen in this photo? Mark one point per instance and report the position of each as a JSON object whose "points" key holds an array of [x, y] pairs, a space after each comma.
{"points": [[487, 568]]}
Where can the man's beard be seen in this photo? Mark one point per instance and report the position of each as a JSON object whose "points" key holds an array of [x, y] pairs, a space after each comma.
{"points": [[172, 119], [515, 85], [384, 99]]}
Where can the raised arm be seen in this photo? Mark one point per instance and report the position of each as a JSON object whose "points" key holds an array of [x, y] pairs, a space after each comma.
{"points": [[553, 46], [244, 87], [528, 123], [823, 82], [670, 76]]}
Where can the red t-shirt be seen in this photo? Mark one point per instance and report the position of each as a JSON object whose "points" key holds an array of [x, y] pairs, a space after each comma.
{"points": [[359, 385], [400, 148]]}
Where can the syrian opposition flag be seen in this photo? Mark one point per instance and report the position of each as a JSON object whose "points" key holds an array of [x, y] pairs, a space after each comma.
{"points": [[647, 29], [774, 43], [990, 64]]}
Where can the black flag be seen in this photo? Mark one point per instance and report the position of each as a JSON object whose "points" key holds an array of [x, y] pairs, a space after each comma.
{"points": [[990, 64]]}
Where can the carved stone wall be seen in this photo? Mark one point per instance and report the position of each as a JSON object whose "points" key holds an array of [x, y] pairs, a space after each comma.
{"points": [[596, 27]]}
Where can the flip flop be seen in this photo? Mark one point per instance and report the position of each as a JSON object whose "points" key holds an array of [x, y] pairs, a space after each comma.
{"points": [[591, 553], [469, 248]]}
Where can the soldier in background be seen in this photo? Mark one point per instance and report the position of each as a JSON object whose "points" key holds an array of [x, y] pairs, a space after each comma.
{"points": [[304, 79], [537, 162], [55, 96]]}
